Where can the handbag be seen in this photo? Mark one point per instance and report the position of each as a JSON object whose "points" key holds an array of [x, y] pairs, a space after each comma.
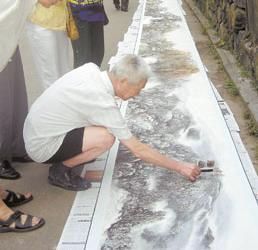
{"points": [[71, 28]]}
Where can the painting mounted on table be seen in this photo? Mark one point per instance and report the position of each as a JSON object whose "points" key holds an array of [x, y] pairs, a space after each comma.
{"points": [[177, 113]]}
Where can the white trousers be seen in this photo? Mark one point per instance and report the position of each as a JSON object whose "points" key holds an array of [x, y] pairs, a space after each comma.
{"points": [[51, 53]]}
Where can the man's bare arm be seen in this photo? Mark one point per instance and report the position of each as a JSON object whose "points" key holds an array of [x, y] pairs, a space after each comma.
{"points": [[150, 155]]}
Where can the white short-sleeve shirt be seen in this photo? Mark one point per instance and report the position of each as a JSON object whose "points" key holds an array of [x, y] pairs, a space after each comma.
{"points": [[81, 98]]}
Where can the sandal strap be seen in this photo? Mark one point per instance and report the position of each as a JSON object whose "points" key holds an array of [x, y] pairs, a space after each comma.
{"points": [[12, 219], [17, 220], [13, 197], [6, 170], [26, 224]]}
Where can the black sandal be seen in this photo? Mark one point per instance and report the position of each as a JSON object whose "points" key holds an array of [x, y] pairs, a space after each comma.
{"points": [[6, 226], [7, 171], [16, 199]]}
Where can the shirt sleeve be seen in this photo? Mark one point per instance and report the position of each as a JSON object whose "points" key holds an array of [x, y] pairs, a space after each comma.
{"points": [[112, 119]]}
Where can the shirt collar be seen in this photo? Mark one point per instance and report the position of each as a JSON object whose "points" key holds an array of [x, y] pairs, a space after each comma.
{"points": [[107, 82]]}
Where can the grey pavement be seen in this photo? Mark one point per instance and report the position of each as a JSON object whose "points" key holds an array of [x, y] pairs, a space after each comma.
{"points": [[52, 203]]}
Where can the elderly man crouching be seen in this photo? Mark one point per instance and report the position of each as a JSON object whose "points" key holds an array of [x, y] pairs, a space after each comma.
{"points": [[77, 119]]}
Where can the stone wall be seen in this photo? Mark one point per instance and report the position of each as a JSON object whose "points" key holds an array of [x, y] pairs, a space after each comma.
{"points": [[236, 21]]}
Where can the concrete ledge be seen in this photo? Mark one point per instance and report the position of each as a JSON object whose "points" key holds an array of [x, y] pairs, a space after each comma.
{"points": [[244, 85]]}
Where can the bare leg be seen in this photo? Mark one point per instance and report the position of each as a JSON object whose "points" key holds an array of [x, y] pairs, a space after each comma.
{"points": [[96, 141], [6, 212]]}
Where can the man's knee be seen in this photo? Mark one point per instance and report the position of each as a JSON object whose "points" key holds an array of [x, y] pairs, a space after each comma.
{"points": [[107, 139], [97, 137]]}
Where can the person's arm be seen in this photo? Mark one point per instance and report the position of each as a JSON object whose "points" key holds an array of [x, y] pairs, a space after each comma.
{"points": [[150, 155]]}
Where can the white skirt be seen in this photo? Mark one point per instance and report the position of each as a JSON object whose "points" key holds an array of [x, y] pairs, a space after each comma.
{"points": [[51, 53]]}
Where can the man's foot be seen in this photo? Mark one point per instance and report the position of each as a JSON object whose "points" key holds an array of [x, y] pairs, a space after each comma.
{"points": [[62, 176], [20, 222], [7, 171], [13, 199]]}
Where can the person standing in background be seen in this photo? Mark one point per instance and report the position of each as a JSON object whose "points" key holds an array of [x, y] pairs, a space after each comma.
{"points": [[13, 97], [50, 46], [13, 109], [90, 18], [124, 4], [16, 221]]}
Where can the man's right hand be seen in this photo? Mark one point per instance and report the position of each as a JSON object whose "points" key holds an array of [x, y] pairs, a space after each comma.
{"points": [[146, 153], [190, 171], [48, 3]]}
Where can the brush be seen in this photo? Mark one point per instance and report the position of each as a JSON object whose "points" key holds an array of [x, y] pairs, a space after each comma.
{"points": [[206, 166]]}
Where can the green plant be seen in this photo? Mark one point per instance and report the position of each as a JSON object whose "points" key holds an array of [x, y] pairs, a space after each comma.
{"points": [[231, 87], [252, 127], [245, 73], [256, 151], [204, 30], [247, 115], [221, 43], [220, 66]]}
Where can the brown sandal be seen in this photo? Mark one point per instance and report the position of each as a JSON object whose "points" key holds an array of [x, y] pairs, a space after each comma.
{"points": [[15, 218]]}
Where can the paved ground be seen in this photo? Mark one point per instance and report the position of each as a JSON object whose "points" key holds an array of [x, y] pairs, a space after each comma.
{"points": [[50, 202]]}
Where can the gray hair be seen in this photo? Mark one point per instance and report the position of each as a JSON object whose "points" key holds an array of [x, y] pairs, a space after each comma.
{"points": [[132, 67]]}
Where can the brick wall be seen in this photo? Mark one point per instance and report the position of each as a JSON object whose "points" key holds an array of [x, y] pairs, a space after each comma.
{"points": [[236, 22]]}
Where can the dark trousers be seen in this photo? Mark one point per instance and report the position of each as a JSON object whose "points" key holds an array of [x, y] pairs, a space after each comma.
{"points": [[13, 109], [90, 45], [116, 2], [124, 3]]}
